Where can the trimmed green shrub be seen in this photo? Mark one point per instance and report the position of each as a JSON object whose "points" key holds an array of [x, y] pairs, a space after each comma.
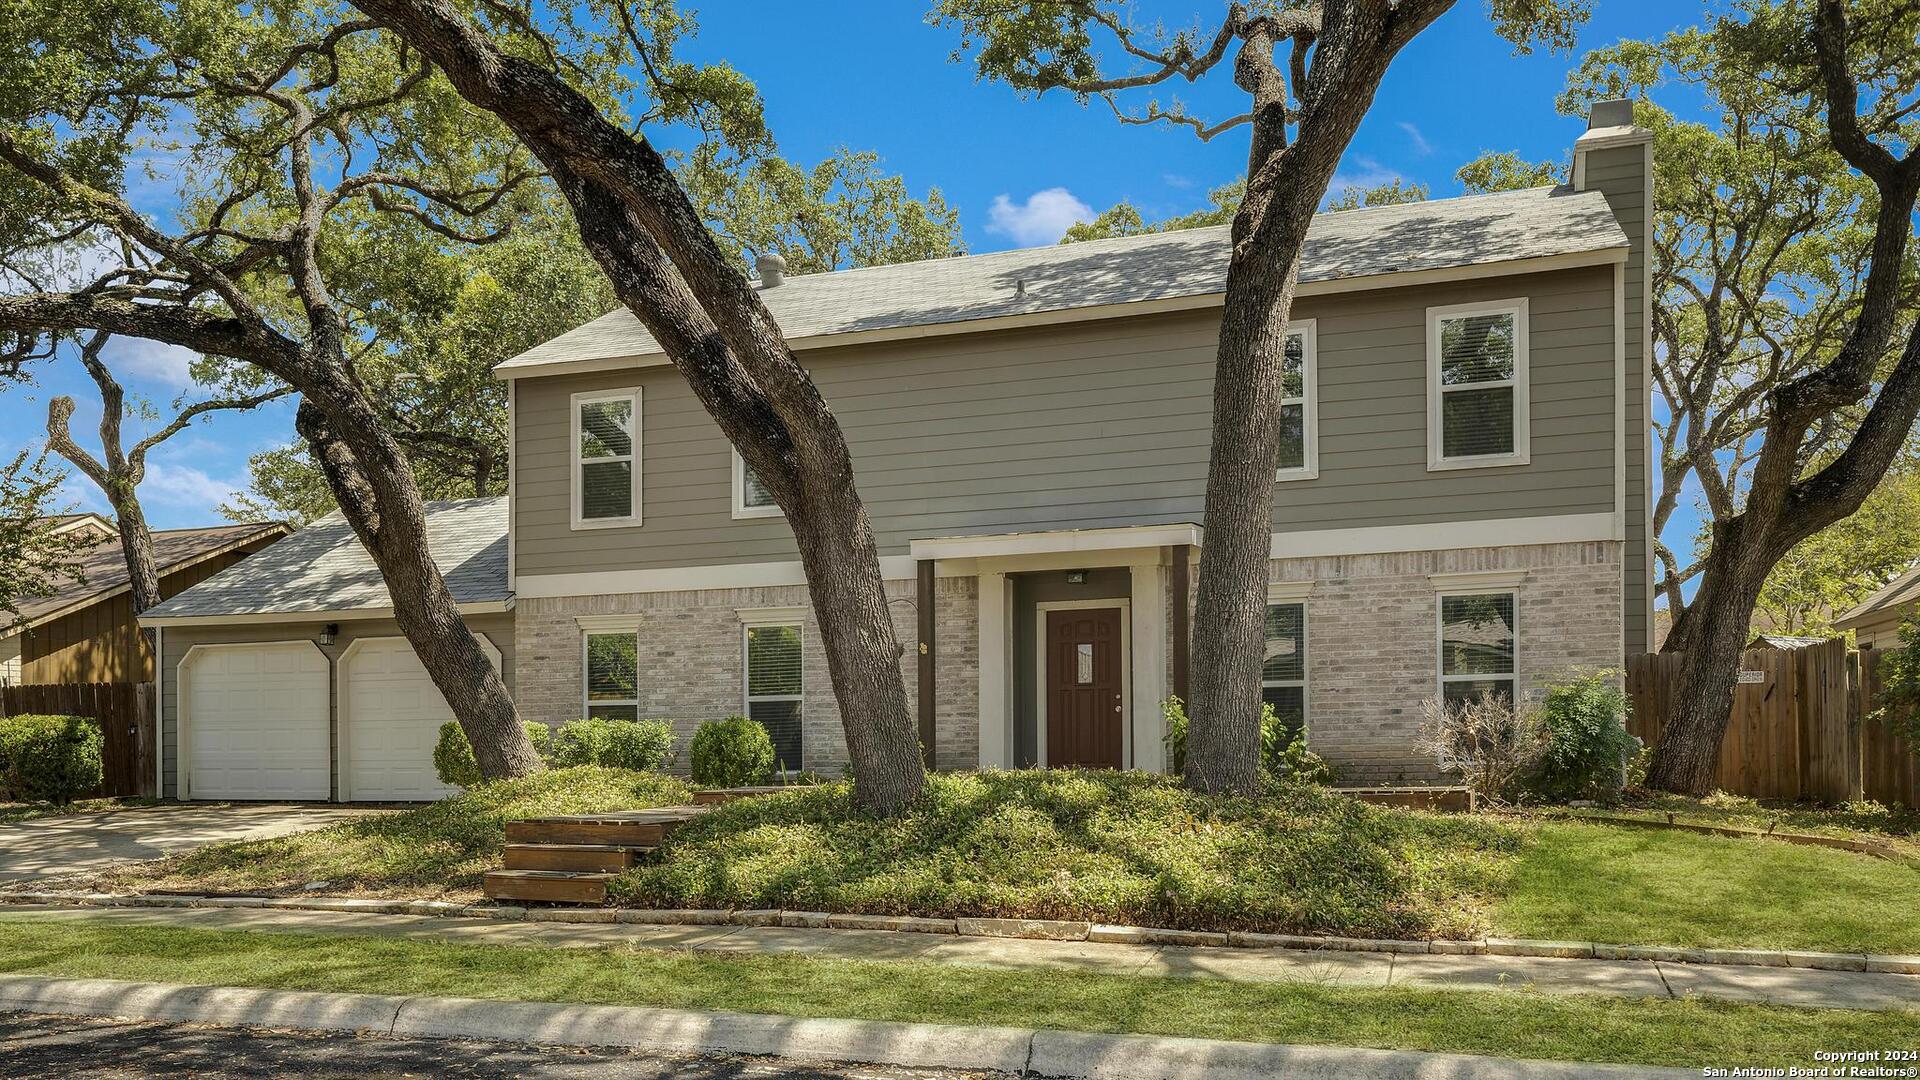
{"points": [[734, 752], [641, 745], [1283, 750], [1897, 705], [49, 758], [453, 755], [1584, 739]]}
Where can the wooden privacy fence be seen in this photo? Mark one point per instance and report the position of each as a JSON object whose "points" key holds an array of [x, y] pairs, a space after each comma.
{"points": [[125, 715], [1799, 729]]}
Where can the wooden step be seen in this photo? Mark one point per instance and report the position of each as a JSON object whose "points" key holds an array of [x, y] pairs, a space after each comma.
{"points": [[716, 796], [579, 857], [588, 831], [559, 886]]}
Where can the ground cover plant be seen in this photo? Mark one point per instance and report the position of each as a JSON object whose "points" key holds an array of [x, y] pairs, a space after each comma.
{"points": [[1512, 1022], [440, 849], [1103, 846], [11, 812]]}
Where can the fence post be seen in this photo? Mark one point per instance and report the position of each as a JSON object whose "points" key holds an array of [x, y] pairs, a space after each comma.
{"points": [[1857, 692]]}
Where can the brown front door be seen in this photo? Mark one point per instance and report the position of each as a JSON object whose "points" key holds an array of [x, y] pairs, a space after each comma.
{"points": [[1084, 688]]}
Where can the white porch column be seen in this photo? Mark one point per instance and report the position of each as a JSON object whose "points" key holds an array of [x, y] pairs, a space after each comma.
{"points": [[1148, 635], [996, 672]]}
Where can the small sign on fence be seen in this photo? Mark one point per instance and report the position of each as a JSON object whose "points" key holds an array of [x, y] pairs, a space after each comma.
{"points": [[1751, 675]]}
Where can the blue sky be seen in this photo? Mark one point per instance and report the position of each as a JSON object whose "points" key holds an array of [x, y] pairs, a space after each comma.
{"points": [[874, 76]]}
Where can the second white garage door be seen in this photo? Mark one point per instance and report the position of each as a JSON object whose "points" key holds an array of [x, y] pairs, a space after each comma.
{"points": [[390, 717]]}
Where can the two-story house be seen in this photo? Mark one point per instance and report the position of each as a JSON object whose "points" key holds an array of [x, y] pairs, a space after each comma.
{"points": [[1461, 504]]}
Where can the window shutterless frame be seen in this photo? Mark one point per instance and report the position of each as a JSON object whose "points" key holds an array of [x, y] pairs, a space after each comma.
{"points": [[1437, 318], [1512, 678], [774, 621], [577, 462], [1309, 401], [1277, 599], [740, 507]]}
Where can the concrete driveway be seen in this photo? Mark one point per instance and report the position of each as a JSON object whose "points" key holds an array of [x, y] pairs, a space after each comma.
{"points": [[86, 843]]}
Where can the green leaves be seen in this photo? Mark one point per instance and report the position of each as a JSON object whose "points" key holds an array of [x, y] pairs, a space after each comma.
{"points": [[34, 559]]}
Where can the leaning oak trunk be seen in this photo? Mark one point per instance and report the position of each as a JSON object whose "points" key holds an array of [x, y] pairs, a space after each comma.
{"points": [[370, 479]]}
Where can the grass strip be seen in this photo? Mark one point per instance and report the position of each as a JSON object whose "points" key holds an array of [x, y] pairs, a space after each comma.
{"points": [[1508, 1023]]}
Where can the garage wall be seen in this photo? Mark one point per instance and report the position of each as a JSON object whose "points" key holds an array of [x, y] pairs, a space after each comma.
{"points": [[498, 629]]}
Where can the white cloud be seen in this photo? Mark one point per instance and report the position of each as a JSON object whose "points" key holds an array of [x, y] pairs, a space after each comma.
{"points": [[1420, 144], [1175, 180], [1043, 219], [186, 487], [151, 362]]}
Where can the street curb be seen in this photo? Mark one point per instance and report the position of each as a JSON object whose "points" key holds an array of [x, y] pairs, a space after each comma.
{"points": [[1032, 929], [1019, 1051]]}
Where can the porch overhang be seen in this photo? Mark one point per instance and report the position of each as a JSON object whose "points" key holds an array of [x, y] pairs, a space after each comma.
{"points": [[1058, 542]]}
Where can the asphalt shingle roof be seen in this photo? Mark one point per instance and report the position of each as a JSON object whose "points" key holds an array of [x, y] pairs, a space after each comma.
{"points": [[1440, 234], [323, 567], [103, 566], [1901, 590]]}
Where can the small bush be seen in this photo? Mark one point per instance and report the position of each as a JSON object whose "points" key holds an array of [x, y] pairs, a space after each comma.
{"points": [[453, 755], [1492, 744], [49, 758], [734, 752], [641, 745], [1584, 739], [1898, 703], [1283, 750]]}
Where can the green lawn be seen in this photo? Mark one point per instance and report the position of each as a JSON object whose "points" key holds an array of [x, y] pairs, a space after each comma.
{"points": [[438, 850], [1515, 1023], [11, 812], [1642, 886], [1102, 846], [1898, 827]]}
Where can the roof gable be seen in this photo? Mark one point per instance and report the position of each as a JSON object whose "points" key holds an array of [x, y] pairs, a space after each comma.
{"points": [[103, 566]]}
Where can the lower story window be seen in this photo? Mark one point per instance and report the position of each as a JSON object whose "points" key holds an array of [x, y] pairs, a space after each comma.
{"points": [[1283, 675], [612, 670], [774, 687], [1476, 646]]}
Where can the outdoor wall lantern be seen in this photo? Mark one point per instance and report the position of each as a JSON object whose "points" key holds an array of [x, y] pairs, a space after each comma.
{"points": [[329, 632], [1076, 577]]}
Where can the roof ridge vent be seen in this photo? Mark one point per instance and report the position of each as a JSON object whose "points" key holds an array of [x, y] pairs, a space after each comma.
{"points": [[771, 268]]}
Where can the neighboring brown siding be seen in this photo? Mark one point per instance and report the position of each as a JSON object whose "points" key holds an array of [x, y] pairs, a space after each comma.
{"points": [[100, 643], [1092, 425]]}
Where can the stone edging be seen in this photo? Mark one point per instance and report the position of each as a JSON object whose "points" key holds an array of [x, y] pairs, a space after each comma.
{"points": [[1033, 929]]}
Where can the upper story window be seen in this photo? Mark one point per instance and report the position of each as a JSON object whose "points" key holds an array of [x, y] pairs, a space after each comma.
{"points": [[1477, 633], [606, 459], [751, 499], [1477, 385], [1299, 411]]}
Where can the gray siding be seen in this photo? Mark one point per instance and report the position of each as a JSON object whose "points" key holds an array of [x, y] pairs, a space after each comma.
{"points": [[1621, 174], [1092, 425], [177, 640]]}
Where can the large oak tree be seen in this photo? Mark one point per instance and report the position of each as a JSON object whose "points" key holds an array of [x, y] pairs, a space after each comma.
{"points": [[668, 269], [1309, 72]]}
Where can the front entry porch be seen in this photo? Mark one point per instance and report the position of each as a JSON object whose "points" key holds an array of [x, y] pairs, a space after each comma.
{"points": [[1082, 635]]}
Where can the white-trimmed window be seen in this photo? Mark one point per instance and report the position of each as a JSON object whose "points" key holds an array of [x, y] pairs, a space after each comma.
{"points": [[1478, 633], [751, 499], [1477, 385], [606, 458], [1283, 673], [611, 672], [1299, 406], [771, 653]]}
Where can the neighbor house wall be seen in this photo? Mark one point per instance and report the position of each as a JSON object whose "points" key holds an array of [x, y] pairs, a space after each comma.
{"points": [[176, 641], [1091, 425], [100, 643]]}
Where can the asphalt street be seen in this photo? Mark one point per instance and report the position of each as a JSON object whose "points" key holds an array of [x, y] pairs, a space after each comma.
{"points": [[65, 1047]]}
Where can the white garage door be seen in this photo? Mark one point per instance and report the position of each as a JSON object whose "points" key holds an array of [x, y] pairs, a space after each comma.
{"points": [[392, 718], [255, 720]]}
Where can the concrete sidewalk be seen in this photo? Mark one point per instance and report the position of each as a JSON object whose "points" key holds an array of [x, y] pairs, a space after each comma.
{"points": [[1619, 978], [1015, 1051]]}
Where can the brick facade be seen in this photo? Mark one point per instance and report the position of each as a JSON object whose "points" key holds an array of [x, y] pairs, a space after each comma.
{"points": [[691, 663], [1372, 649]]}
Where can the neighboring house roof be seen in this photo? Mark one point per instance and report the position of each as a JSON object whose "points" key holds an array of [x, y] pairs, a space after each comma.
{"points": [[103, 567], [1174, 269], [66, 523], [1784, 641], [323, 569], [1899, 592]]}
